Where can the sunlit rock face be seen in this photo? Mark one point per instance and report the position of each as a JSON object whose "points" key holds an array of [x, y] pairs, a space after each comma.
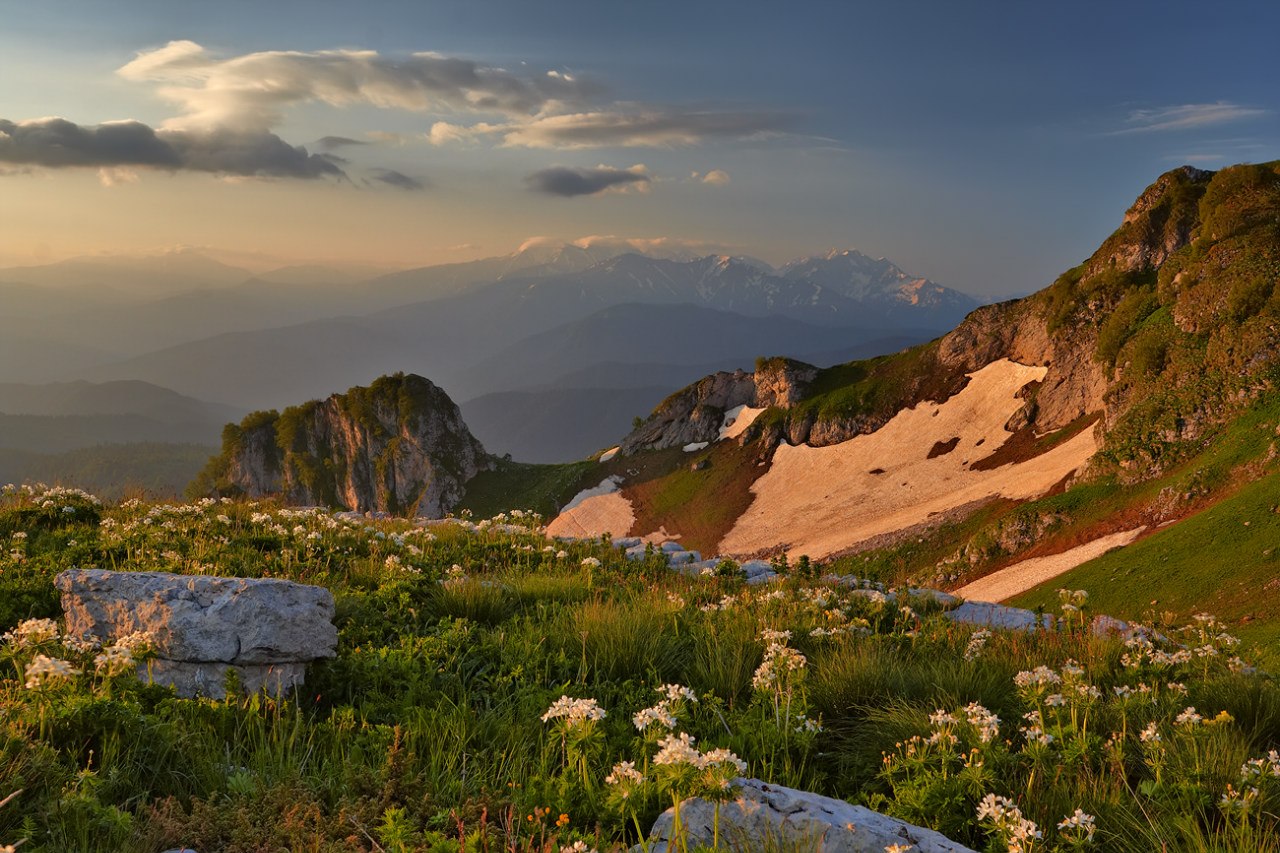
{"points": [[399, 446]]}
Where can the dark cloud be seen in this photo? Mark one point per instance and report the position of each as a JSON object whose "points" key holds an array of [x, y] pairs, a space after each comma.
{"points": [[57, 143], [332, 143], [399, 180], [567, 182]]}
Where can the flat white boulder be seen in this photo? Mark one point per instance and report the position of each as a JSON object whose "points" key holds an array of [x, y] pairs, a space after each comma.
{"points": [[263, 628], [989, 615], [771, 817]]}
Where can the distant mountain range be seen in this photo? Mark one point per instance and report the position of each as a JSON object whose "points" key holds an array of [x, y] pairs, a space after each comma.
{"points": [[569, 317]]}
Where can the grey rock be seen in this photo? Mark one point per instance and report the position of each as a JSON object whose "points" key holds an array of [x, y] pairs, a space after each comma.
{"points": [[671, 546], [754, 568], [264, 629], [991, 615], [692, 415], [764, 577], [192, 678], [399, 446], [696, 568], [763, 816], [627, 542], [946, 599], [202, 618]]}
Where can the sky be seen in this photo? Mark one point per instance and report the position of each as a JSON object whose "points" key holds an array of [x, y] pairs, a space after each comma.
{"points": [[987, 146]]}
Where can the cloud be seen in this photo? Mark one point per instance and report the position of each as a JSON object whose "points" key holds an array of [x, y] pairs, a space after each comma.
{"points": [[567, 183], [1187, 117], [399, 180], [251, 91], [57, 143], [652, 128], [114, 176], [332, 143], [715, 177]]}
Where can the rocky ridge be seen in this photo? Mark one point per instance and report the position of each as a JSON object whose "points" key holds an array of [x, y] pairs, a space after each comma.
{"points": [[399, 446]]}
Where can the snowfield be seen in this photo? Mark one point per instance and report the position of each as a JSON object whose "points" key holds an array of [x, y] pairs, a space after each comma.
{"points": [[822, 500]]}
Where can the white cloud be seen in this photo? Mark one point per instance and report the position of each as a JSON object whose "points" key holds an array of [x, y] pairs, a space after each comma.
{"points": [[1187, 117], [715, 177], [601, 129], [251, 91]]}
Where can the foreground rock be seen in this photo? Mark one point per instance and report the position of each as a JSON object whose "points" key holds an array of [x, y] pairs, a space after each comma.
{"points": [[772, 817], [204, 627]]}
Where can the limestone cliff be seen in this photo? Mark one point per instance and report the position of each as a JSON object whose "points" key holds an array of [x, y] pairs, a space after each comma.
{"points": [[398, 446]]}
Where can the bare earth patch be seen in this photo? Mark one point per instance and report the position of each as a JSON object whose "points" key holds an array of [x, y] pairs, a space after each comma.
{"points": [[1027, 574], [823, 500]]}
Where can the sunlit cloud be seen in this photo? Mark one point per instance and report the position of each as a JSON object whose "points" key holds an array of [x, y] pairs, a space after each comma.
{"points": [[1187, 117], [251, 91], [601, 129], [569, 182], [715, 177]]}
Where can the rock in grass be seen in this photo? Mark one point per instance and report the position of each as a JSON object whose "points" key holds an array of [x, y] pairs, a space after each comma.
{"points": [[771, 817], [990, 615], [202, 626]]}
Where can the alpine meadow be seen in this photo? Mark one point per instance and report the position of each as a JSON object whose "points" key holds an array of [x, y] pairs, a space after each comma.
{"points": [[448, 427]]}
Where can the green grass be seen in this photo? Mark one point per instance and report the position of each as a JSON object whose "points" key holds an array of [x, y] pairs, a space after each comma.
{"points": [[1225, 561], [429, 716], [518, 485]]}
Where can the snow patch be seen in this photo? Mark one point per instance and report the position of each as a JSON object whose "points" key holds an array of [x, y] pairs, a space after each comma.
{"points": [[695, 446], [609, 454], [608, 486], [736, 421], [823, 500], [595, 511], [1024, 575]]}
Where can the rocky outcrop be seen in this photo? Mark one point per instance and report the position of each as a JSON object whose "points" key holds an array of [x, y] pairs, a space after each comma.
{"points": [[399, 446], [1076, 383], [202, 627], [764, 816], [1158, 224], [693, 414], [782, 381]]}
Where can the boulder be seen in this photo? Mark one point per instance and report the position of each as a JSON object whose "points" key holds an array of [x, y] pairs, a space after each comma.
{"points": [[201, 626], [990, 615], [764, 816]]}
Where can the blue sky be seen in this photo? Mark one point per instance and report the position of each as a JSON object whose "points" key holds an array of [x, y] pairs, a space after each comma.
{"points": [[985, 145]]}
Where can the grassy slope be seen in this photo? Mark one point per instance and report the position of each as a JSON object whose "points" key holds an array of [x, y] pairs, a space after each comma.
{"points": [[701, 505], [517, 485], [1223, 561], [157, 469]]}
